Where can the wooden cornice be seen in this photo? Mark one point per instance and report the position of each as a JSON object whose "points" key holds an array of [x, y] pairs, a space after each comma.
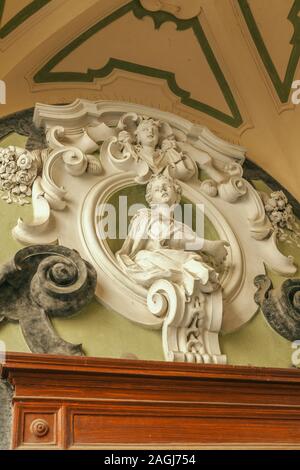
{"points": [[97, 402], [73, 365]]}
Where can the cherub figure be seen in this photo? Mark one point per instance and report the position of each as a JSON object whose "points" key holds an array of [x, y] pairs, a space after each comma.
{"points": [[158, 150], [160, 247]]}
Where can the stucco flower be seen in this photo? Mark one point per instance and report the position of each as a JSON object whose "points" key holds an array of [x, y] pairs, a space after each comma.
{"points": [[276, 216], [279, 195], [23, 188], [289, 210], [18, 170], [16, 190], [24, 177], [11, 167], [270, 205], [7, 159], [24, 161], [281, 204], [6, 185]]}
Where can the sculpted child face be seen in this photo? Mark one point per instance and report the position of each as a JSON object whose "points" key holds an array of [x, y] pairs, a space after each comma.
{"points": [[148, 133], [163, 192]]}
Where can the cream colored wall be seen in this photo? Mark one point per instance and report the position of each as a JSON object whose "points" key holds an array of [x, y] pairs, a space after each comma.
{"points": [[105, 333]]}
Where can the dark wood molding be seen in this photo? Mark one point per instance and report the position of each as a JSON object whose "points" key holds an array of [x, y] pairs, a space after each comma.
{"points": [[77, 402]]}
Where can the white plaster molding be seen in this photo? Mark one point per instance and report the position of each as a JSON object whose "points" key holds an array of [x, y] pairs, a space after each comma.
{"points": [[82, 113], [42, 227], [191, 328], [113, 282], [74, 196]]}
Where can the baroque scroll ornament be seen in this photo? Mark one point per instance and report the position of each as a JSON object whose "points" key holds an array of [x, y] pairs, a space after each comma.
{"points": [[280, 305], [97, 149], [45, 281]]}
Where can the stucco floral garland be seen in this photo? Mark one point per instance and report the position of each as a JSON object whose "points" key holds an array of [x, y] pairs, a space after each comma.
{"points": [[282, 218], [18, 170]]}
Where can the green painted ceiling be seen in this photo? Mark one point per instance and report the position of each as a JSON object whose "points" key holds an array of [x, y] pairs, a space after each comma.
{"points": [[234, 118], [20, 17]]}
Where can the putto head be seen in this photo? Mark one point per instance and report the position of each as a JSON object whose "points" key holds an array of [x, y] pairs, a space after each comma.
{"points": [[162, 189], [147, 132]]}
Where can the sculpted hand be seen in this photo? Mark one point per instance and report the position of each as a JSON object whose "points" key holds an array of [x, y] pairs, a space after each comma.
{"points": [[217, 249], [167, 144]]}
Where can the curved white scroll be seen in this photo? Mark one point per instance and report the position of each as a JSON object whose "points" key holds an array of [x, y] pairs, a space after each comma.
{"points": [[42, 228], [114, 288]]}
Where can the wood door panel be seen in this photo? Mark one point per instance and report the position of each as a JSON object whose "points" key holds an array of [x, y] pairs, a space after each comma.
{"points": [[94, 429], [72, 403]]}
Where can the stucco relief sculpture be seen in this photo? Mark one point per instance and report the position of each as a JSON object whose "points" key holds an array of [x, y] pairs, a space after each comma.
{"points": [[167, 256], [159, 246], [45, 281], [153, 146], [97, 149], [282, 218], [18, 170]]}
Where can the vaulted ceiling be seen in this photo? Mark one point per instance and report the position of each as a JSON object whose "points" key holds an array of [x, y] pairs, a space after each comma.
{"points": [[226, 64]]}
